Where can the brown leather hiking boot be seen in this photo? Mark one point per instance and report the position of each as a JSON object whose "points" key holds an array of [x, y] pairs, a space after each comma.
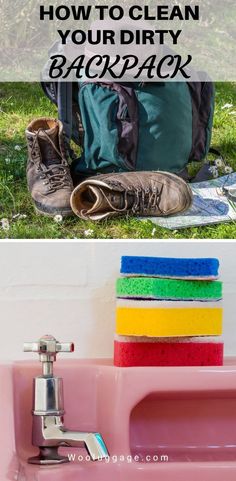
{"points": [[133, 193], [48, 172]]}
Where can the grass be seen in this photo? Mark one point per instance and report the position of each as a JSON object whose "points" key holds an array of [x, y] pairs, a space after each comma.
{"points": [[19, 103]]}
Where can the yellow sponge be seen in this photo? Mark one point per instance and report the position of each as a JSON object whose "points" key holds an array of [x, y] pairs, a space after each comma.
{"points": [[151, 321]]}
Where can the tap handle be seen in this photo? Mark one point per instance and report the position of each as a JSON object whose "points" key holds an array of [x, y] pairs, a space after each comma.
{"points": [[48, 347], [65, 347]]}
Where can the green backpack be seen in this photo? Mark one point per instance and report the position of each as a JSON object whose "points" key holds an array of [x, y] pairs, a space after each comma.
{"points": [[135, 126]]}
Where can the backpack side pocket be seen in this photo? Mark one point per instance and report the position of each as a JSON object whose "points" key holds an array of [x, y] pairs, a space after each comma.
{"points": [[202, 95]]}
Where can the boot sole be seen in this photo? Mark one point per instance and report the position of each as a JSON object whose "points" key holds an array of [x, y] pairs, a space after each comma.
{"points": [[68, 213]]}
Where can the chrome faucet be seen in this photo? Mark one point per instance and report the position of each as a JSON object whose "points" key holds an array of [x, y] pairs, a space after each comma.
{"points": [[48, 432]]}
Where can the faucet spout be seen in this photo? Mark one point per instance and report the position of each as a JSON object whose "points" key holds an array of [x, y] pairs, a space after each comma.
{"points": [[49, 431], [93, 442]]}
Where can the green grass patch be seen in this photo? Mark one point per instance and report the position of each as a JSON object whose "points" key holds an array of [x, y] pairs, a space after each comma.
{"points": [[19, 104]]}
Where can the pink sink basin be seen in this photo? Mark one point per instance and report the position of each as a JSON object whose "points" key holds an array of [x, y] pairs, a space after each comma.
{"points": [[170, 424]]}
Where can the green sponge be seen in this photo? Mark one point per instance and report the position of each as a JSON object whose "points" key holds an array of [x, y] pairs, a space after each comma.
{"points": [[154, 288]]}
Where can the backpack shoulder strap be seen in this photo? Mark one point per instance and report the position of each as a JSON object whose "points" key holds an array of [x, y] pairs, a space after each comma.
{"points": [[50, 90], [60, 93], [64, 104]]}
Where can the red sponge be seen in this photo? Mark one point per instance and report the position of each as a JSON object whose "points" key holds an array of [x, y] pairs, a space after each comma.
{"points": [[128, 354]]}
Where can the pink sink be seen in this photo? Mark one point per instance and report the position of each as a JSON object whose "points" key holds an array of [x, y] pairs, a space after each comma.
{"points": [[158, 423]]}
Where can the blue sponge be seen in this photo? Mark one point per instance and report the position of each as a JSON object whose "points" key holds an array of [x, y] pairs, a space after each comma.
{"points": [[206, 268]]}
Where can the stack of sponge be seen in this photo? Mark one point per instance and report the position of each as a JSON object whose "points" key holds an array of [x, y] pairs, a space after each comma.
{"points": [[166, 310]]}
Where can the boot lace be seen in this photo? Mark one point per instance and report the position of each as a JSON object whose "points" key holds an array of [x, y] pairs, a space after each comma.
{"points": [[56, 176], [146, 201]]}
